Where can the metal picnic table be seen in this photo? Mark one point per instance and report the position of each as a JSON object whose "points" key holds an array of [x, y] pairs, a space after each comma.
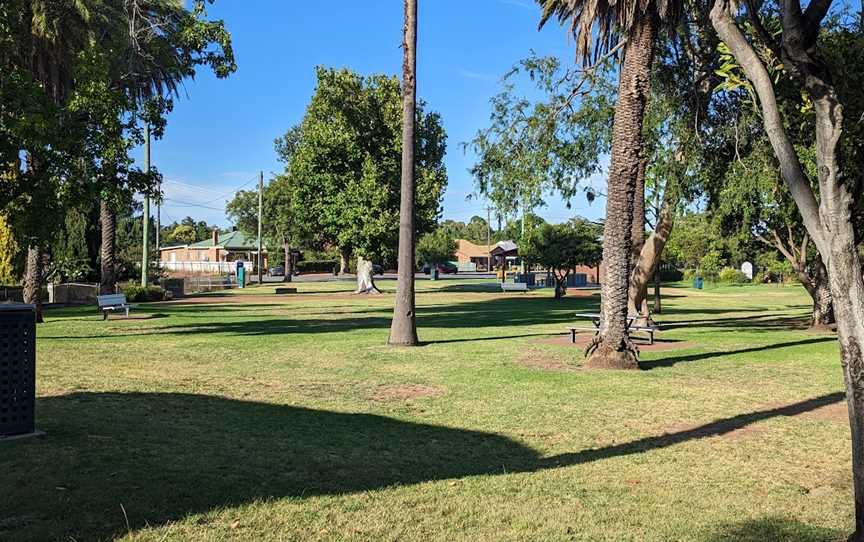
{"points": [[596, 319]]}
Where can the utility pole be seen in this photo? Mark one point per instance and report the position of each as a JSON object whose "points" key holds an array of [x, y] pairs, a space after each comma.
{"points": [[145, 256], [260, 213], [489, 237]]}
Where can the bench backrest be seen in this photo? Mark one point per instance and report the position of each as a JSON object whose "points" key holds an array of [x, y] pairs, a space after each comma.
{"points": [[111, 300]]}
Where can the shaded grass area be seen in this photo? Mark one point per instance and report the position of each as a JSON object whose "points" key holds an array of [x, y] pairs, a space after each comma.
{"points": [[264, 420]]}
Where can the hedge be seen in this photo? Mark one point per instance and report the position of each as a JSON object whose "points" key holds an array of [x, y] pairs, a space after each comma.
{"points": [[318, 266], [142, 294]]}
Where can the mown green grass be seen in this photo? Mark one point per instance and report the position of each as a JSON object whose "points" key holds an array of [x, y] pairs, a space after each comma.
{"points": [[290, 419]]}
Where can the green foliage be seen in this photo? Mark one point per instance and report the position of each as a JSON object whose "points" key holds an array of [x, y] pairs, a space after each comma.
{"points": [[344, 166], [135, 293], [318, 266], [476, 230], [710, 265], [436, 247], [243, 211], [561, 247], [8, 251], [77, 78], [536, 147], [730, 275], [183, 233]]}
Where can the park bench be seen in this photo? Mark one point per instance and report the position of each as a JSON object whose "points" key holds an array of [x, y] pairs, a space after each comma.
{"points": [[649, 330], [514, 287], [112, 302]]}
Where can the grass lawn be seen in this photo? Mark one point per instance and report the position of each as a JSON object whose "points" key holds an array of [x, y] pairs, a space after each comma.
{"points": [[253, 417]]}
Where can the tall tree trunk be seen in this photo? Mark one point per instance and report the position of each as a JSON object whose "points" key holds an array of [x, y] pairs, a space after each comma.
{"points": [[33, 280], [365, 279], [108, 221], [288, 268], [658, 303], [612, 348], [343, 261], [637, 231], [650, 255], [823, 301], [560, 284], [403, 329], [829, 219]]}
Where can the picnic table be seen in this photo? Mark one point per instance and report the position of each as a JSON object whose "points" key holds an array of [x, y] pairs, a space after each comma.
{"points": [[597, 319]]}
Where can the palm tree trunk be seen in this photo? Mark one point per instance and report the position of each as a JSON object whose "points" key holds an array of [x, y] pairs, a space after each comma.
{"points": [[108, 221], [33, 279], [612, 348], [403, 329]]}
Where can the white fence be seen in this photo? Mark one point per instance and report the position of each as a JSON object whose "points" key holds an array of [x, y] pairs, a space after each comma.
{"points": [[202, 268]]}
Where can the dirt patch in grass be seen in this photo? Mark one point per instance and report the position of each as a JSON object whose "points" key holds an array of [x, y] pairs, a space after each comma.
{"points": [[838, 412], [582, 340], [536, 359], [405, 392]]}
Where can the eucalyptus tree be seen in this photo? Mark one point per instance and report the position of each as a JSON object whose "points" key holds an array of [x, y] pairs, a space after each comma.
{"points": [[601, 28], [830, 211], [345, 167]]}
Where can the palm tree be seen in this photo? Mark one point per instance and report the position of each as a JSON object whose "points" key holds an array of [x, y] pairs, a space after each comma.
{"points": [[403, 330], [50, 36], [596, 25]]}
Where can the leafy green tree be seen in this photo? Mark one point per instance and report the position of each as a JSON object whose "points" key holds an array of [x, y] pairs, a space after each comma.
{"points": [[243, 211], [436, 247], [811, 58], [345, 166], [561, 247], [182, 233]]}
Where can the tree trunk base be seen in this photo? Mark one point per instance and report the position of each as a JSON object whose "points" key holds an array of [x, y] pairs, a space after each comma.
{"points": [[370, 291], [818, 326], [857, 536], [604, 356]]}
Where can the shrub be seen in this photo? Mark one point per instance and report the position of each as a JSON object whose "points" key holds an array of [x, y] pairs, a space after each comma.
{"points": [[673, 275], [142, 294], [318, 266], [730, 275], [689, 275]]}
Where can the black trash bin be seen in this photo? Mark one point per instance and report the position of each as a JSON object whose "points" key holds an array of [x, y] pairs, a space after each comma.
{"points": [[17, 369]]}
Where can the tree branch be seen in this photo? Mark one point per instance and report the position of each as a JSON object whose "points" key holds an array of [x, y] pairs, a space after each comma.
{"points": [[790, 166]]}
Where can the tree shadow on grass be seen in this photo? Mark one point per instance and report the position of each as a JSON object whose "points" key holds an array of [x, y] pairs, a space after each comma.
{"points": [[158, 457], [772, 529], [670, 361], [760, 321], [492, 313]]}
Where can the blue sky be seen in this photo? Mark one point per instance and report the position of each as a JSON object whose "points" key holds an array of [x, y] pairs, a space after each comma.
{"points": [[221, 131]]}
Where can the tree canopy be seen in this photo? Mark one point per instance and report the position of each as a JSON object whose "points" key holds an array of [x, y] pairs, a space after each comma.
{"points": [[344, 164]]}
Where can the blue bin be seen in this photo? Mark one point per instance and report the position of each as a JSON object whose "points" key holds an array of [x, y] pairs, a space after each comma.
{"points": [[698, 283]]}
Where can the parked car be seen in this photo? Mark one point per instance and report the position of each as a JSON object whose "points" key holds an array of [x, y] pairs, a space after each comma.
{"points": [[377, 269], [445, 268], [277, 271]]}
